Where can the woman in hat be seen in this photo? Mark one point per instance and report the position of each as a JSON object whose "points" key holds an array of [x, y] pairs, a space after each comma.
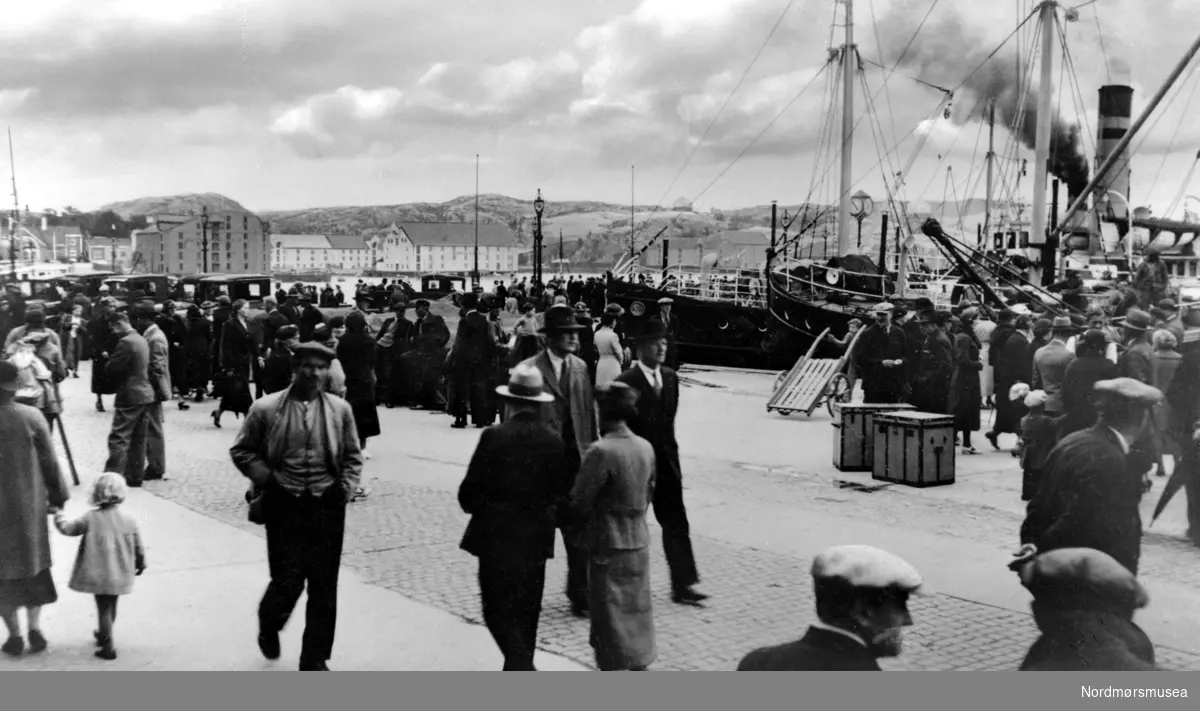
{"points": [[1165, 374], [608, 345], [965, 398], [613, 491], [103, 342], [356, 351], [238, 351], [197, 354]]}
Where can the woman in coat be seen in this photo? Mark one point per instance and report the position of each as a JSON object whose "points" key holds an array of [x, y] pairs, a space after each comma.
{"points": [[1012, 363], [103, 342], [238, 352], [70, 331], [356, 351], [197, 354], [965, 398], [1079, 380], [931, 389], [613, 491], [1165, 364], [30, 483], [612, 354]]}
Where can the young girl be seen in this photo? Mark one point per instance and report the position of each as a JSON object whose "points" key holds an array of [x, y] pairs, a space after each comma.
{"points": [[110, 554]]}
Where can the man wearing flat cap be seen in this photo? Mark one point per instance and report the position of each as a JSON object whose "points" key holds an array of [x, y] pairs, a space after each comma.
{"points": [[128, 368], [1083, 604], [881, 353], [657, 404], [427, 358], [1091, 486], [1137, 360], [572, 416], [1050, 364], [862, 597], [517, 477], [300, 449], [277, 369]]}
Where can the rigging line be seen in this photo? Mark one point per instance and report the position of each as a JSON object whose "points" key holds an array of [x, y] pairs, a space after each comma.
{"points": [[1082, 5], [1178, 90], [946, 154], [1073, 77], [1174, 136], [720, 111], [971, 171], [1013, 146], [762, 132], [1103, 47], [878, 122], [887, 94], [880, 141], [873, 63]]}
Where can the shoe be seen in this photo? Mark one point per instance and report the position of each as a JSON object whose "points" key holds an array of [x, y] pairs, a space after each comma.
{"points": [[184, 406], [688, 596], [313, 666], [107, 653], [99, 407], [1161, 472], [216, 418], [268, 644], [37, 642], [459, 425], [98, 637], [359, 494], [970, 450], [134, 484], [993, 438], [579, 609], [13, 647], [480, 426]]}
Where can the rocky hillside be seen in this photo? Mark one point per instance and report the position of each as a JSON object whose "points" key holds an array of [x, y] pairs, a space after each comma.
{"points": [[173, 204]]}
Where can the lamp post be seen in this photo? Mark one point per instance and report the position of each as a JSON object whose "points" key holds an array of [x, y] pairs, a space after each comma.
{"points": [[861, 206], [538, 206], [204, 238]]}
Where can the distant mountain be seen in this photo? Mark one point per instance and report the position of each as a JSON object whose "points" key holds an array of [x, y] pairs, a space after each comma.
{"points": [[173, 204]]}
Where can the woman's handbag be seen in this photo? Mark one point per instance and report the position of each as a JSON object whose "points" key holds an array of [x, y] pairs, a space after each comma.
{"points": [[254, 497]]}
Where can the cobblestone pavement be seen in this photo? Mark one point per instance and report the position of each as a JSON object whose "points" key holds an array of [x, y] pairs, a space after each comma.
{"points": [[405, 538]]}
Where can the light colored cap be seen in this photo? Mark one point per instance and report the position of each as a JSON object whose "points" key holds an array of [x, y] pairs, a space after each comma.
{"points": [[1130, 389], [525, 382], [1037, 398], [666, 300], [1020, 309], [868, 567], [883, 307], [1018, 391]]}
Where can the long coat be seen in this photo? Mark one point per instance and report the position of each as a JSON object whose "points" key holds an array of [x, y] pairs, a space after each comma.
{"points": [[965, 395], [1011, 363], [102, 340], [160, 362], [128, 369], [238, 351], [818, 650], [197, 346], [1088, 498], [1049, 368], [356, 352], [581, 400], [29, 480], [880, 384], [1078, 391], [935, 372]]}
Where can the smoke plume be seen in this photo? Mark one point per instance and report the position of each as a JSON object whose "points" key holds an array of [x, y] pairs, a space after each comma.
{"points": [[944, 52]]}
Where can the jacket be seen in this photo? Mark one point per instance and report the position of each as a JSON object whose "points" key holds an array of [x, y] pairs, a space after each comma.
{"points": [[129, 370], [29, 479], [1049, 367], [473, 344], [516, 478], [1137, 362], [1088, 640], [159, 370], [613, 492], [581, 399], [111, 553], [818, 650], [1078, 391]]}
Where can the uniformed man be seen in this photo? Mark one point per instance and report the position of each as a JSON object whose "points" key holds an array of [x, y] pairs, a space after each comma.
{"points": [[881, 353], [672, 323], [1083, 604], [1091, 486], [862, 609]]}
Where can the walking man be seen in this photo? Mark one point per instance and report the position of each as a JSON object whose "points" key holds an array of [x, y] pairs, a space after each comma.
{"points": [[657, 404], [128, 369], [471, 359], [516, 478], [572, 416], [300, 449], [159, 372]]}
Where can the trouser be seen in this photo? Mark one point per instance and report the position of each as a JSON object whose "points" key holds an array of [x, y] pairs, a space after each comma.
{"points": [[304, 549], [577, 565], [398, 384], [510, 588], [156, 442], [676, 533], [427, 381], [470, 390], [384, 368], [256, 374], [127, 443]]}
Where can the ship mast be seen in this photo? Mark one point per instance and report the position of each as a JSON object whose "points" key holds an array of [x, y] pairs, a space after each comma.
{"points": [[1041, 159], [991, 159], [849, 58], [13, 225]]}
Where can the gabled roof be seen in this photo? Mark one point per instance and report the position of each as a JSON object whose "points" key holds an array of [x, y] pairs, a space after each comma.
{"points": [[458, 234], [346, 241], [301, 241]]}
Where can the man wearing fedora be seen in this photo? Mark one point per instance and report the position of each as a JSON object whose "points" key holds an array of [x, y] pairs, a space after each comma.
{"points": [[572, 416], [470, 361], [1050, 364], [428, 355], [516, 478], [1137, 360], [881, 354], [657, 404], [671, 321], [393, 341], [1090, 488]]}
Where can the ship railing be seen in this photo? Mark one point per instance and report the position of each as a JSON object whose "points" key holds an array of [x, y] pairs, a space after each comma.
{"points": [[811, 288], [744, 287]]}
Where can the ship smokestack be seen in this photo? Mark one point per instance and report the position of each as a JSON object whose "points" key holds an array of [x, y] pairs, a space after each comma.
{"points": [[1116, 111]]}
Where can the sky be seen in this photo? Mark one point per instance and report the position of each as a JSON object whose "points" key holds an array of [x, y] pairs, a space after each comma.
{"points": [[285, 104]]}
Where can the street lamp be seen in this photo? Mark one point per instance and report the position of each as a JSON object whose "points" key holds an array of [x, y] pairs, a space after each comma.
{"points": [[204, 237], [861, 206], [538, 206]]}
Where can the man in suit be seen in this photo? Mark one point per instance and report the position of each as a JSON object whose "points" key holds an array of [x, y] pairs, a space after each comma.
{"points": [[572, 416], [862, 597], [1050, 364], [1137, 361], [310, 318], [159, 372], [291, 307], [395, 336], [671, 321], [881, 353], [470, 362], [587, 339], [1090, 486], [300, 448], [428, 355], [128, 369], [277, 369], [658, 402], [515, 480]]}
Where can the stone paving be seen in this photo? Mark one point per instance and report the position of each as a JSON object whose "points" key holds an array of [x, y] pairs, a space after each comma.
{"points": [[405, 538]]}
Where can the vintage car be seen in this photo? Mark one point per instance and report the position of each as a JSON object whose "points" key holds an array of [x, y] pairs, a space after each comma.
{"points": [[376, 299], [437, 286], [155, 287], [250, 287]]}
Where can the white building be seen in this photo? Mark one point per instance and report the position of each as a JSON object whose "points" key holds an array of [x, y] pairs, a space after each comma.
{"points": [[431, 247], [299, 252]]}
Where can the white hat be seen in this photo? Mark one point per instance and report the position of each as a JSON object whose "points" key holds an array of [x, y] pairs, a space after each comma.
{"points": [[525, 382], [1037, 398], [883, 307], [1020, 309], [868, 567], [1018, 391], [1130, 389]]}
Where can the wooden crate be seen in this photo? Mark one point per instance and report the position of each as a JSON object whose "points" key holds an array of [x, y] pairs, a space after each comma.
{"points": [[914, 449], [854, 434]]}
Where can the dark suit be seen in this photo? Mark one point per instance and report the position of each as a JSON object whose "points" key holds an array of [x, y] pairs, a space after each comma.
{"points": [[128, 369], [309, 320], [1088, 498], [277, 370], [516, 478], [1137, 362], [471, 362], [880, 384], [655, 422], [818, 650], [1078, 391], [429, 337]]}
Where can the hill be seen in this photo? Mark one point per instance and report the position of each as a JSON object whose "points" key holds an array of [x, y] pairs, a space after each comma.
{"points": [[172, 204]]}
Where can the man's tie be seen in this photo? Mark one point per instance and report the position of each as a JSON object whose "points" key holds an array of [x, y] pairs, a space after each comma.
{"points": [[563, 380], [656, 382]]}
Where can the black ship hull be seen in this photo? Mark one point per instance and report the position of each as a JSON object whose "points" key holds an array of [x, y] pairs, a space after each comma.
{"points": [[723, 333]]}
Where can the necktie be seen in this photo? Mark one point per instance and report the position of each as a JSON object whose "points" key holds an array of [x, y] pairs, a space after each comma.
{"points": [[563, 380], [656, 382]]}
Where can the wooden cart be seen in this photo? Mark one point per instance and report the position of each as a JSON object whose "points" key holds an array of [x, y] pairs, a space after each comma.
{"points": [[813, 382]]}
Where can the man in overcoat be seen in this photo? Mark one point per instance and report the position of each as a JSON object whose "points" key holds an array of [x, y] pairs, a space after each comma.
{"points": [[429, 337], [1050, 364], [159, 372], [1090, 486], [862, 597], [572, 416], [514, 482], [128, 368], [471, 358], [657, 405], [1137, 360], [671, 321], [300, 449], [881, 354]]}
